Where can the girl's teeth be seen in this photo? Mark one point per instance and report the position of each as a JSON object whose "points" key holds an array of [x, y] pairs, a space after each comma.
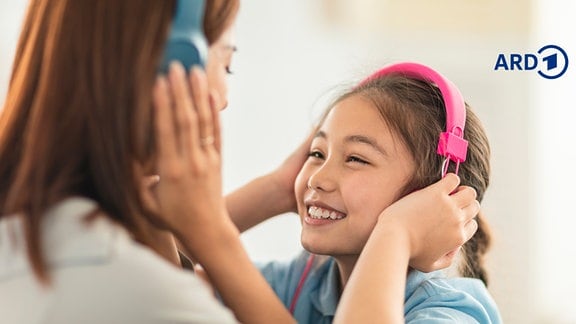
{"points": [[320, 213]]}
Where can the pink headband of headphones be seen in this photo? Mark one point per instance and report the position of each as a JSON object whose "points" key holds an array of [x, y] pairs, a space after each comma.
{"points": [[451, 144]]}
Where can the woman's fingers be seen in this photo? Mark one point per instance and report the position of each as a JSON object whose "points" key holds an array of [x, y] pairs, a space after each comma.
{"points": [[215, 110], [165, 134], [185, 115], [196, 125], [202, 107]]}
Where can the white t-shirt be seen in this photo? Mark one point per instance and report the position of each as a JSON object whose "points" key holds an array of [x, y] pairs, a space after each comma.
{"points": [[99, 275]]}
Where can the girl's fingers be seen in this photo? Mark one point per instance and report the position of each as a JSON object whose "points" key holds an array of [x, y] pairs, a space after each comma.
{"points": [[202, 107], [471, 210], [448, 183], [185, 115], [470, 229], [163, 123], [452, 254], [446, 260], [464, 196]]}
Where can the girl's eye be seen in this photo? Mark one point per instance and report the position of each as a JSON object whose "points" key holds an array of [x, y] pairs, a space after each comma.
{"points": [[356, 160], [228, 70], [316, 154]]}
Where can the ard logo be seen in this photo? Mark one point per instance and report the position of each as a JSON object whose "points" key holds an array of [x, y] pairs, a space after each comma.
{"points": [[551, 62]]}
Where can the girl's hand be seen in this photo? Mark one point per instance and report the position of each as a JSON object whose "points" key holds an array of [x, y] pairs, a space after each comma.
{"points": [[419, 230], [189, 192], [436, 221], [269, 195]]}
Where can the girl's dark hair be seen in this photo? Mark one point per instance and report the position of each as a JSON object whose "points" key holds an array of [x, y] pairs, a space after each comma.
{"points": [[77, 120], [414, 110]]}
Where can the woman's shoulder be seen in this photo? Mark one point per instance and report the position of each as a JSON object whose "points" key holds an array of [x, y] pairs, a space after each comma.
{"points": [[433, 295], [99, 274], [131, 282], [144, 288]]}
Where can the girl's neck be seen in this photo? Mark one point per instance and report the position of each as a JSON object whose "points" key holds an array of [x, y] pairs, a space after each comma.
{"points": [[345, 264]]}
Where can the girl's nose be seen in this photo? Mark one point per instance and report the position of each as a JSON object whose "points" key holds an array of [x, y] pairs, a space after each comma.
{"points": [[323, 179]]}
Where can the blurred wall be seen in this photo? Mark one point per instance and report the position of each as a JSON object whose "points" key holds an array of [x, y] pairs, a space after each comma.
{"points": [[554, 153], [293, 54], [11, 13]]}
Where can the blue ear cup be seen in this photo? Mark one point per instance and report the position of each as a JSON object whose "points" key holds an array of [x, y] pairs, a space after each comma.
{"points": [[186, 42]]}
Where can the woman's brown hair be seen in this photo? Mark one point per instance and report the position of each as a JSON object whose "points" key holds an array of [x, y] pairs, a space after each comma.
{"points": [[414, 110], [77, 120], [219, 15]]}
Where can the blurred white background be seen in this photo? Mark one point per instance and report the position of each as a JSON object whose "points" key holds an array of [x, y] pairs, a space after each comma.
{"points": [[292, 54]]}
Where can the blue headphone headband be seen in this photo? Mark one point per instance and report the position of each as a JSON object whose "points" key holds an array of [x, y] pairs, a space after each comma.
{"points": [[186, 42]]}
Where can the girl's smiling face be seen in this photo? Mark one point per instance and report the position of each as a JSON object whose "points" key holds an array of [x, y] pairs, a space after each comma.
{"points": [[355, 169]]}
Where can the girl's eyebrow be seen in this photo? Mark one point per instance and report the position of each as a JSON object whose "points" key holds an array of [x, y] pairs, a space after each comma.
{"points": [[362, 139], [366, 140]]}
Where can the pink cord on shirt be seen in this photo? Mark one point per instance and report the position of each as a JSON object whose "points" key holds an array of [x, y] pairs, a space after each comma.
{"points": [[301, 283]]}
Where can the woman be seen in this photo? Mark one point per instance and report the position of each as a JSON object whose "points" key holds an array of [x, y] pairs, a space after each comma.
{"points": [[76, 142]]}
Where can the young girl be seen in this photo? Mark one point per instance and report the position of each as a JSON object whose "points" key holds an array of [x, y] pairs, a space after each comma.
{"points": [[374, 145]]}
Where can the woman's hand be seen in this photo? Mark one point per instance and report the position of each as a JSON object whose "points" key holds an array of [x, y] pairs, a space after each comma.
{"points": [[436, 220], [190, 201], [189, 192]]}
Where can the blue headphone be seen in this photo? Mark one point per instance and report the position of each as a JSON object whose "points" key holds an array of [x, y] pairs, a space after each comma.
{"points": [[186, 42]]}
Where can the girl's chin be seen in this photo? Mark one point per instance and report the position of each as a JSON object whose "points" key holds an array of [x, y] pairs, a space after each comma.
{"points": [[316, 249]]}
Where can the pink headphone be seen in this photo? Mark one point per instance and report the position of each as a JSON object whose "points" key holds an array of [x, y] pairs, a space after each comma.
{"points": [[451, 144]]}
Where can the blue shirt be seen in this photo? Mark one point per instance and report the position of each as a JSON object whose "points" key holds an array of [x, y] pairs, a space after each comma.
{"points": [[430, 297]]}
